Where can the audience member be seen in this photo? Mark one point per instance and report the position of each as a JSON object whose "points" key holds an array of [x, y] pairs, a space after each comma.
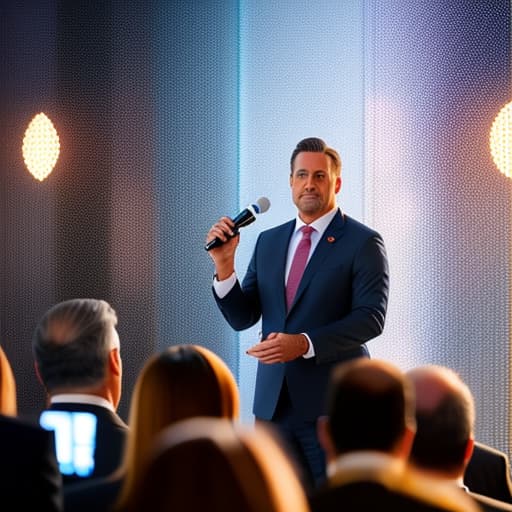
{"points": [[77, 356], [445, 415], [367, 436], [212, 464], [181, 382], [29, 476], [488, 473]]}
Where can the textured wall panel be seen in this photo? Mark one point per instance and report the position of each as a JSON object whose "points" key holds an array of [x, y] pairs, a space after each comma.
{"points": [[196, 94], [172, 114], [438, 72], [27, 207]]}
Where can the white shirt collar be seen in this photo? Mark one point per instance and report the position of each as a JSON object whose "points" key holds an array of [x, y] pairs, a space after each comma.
{"points": [[364, 459], [319, 224], [82, 398]]}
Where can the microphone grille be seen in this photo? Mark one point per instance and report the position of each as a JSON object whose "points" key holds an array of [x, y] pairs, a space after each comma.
{"points": [[262, 205]]}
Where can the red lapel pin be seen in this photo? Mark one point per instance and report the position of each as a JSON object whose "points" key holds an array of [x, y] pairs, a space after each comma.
{"points": [[330, 239]]}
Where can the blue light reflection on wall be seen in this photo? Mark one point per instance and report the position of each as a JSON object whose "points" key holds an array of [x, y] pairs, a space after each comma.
{"points": [[301, 75]]}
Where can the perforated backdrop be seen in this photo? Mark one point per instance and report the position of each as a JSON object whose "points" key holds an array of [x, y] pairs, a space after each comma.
{"points": [[174, 113]]}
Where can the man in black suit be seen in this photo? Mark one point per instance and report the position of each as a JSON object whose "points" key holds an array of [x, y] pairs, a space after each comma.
{"points": [[77, 356], [367, 435], [29, 475], [445, 416], [335, 307], [488, 473]]}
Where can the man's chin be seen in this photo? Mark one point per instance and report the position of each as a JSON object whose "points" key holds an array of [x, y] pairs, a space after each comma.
{"points": [[309, 207]]}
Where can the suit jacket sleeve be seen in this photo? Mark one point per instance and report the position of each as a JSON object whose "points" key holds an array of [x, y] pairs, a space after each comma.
{"points": [[365, 317], [241, 307]]}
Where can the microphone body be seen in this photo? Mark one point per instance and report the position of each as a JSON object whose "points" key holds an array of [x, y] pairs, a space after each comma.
{"points": [[244, 218]]}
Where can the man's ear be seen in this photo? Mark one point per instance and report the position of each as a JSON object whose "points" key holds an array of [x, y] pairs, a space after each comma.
{"points": [[323, 430], [469, 450], [114, 362], [405, 446], [337, 186]]}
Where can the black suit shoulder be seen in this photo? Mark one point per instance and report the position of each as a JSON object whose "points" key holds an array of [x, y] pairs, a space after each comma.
{"points": [[111, 433], [367, 496], [94, 494], [29, 475], [488, 473]]}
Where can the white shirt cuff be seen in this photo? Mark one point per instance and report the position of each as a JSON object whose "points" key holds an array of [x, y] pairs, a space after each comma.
{"points": [[311, 351], [222, 288]]}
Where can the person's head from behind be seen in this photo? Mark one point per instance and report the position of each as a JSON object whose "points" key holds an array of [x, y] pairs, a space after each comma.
{"points": [[370, 407], [213, 464], [8, 403], [181, 382], [76, 349], [315, 178], [445, 416]]}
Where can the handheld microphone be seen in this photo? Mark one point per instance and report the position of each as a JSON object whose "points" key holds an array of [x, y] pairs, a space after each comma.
{"points": [[244, 218]]}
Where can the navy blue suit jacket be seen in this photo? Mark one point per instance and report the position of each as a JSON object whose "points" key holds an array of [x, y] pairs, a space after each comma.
{"points": [[340, 303]]}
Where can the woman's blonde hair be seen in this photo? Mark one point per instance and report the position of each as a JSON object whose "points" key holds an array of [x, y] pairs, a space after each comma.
{"points": [[181, 382], [8, 405], [212, 464]]}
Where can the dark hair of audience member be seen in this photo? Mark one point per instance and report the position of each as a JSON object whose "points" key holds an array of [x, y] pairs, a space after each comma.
{"points": [[444, 428], [381, 406]]}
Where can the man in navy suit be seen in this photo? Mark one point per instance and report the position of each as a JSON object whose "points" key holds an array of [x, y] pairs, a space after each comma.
{"points": [[339, 305], [77, 358]]}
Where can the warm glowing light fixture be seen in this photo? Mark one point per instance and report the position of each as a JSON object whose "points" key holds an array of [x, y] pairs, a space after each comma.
{"points": [[501, 140], [40, 146]]}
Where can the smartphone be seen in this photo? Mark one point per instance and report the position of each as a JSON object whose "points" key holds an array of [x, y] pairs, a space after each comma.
{"points": [[75, 440]]}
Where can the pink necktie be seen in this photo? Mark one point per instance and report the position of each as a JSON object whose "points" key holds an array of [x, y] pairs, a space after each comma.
{"points": [[300, 259]]}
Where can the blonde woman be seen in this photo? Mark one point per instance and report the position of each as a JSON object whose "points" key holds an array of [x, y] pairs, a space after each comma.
{"points": [[181, 382], [213, 464]]}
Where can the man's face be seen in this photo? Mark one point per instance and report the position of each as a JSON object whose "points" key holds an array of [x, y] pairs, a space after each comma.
{"points": [[314, 186]]}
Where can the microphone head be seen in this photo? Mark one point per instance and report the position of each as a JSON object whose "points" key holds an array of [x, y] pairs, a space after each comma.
{"points": [[262, 205]]}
